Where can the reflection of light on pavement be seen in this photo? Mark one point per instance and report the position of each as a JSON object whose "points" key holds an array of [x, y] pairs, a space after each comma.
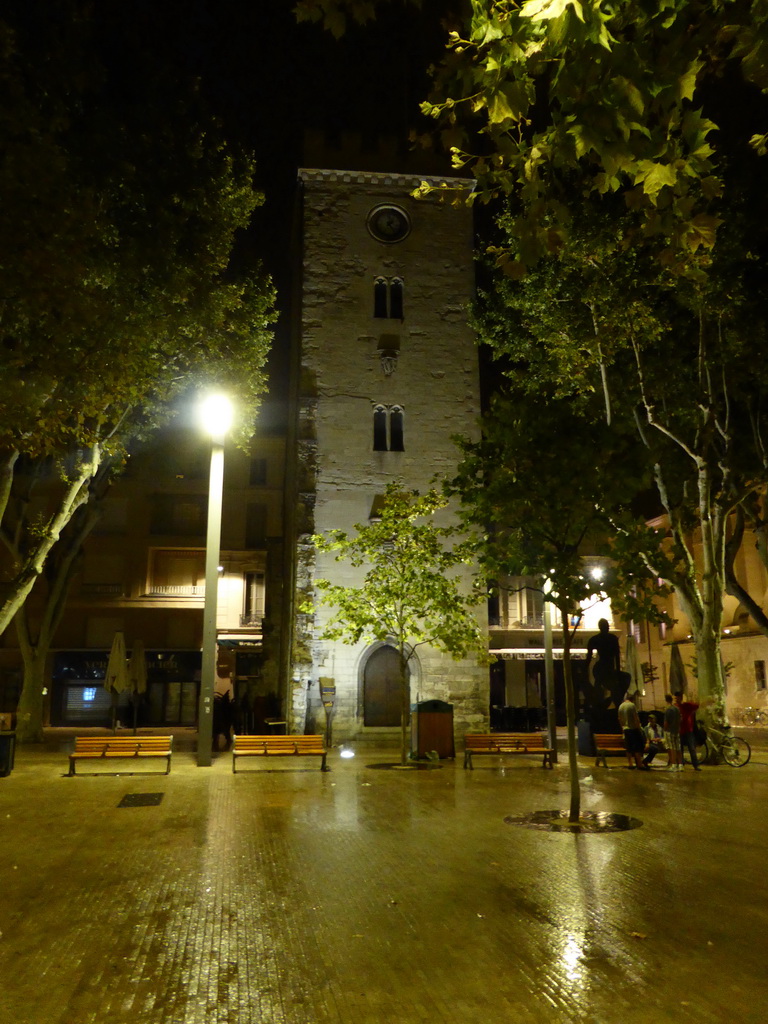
{"points": [[572, 959]]}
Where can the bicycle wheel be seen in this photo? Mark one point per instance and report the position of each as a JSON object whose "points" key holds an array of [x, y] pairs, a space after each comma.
{"points": [[702, 752], [736, 751]]}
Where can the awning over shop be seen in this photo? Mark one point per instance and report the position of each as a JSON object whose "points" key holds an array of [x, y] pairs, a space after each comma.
{"points": [[535, 653], [241, 641]]}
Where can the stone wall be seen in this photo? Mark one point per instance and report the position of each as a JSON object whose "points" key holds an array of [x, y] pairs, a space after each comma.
{"points": [[352, 362]]}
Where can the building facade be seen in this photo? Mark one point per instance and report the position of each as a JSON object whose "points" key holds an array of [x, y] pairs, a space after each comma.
{"points": [[142, 573], [743, 647], [386, 371]]}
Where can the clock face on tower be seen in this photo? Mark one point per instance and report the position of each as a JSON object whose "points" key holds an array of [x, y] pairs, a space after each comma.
{"points": [[388, 223]]}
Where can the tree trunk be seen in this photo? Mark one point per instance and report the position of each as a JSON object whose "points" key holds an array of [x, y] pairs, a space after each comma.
{"points": [[30, 564], [705, 615], [405, 706], [732, 548], [35, 645], [570, 720], [29, 713]]}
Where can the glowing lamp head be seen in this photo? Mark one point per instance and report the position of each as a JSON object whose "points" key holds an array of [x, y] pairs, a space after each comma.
{"points": [[216, 414]]}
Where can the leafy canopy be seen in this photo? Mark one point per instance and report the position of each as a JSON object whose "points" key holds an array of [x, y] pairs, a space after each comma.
{"points": [[119, 208], [539, 492], [411, 592], [622, 95]]}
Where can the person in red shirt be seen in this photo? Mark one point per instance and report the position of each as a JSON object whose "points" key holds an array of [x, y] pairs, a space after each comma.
{"points": [[688, 711]]}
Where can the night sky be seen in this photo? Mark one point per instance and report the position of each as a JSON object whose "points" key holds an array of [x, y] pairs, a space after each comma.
{"points": [[270, 82]]}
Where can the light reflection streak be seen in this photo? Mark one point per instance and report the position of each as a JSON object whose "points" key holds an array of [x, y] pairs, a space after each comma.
{"points": [[572, 960]]}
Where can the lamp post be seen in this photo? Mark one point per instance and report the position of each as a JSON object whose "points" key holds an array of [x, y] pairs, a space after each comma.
{"points": [[216, 418], [549, 668]]}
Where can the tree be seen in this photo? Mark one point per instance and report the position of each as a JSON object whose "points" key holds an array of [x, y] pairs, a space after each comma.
{"points": [[626, 97], [527, 519], [620, 145], [411, 593], [121, 205], [35, 637], [672, 355]]}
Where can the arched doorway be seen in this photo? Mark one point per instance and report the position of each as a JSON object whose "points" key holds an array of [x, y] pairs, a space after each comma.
{"points": [[381, 688]]}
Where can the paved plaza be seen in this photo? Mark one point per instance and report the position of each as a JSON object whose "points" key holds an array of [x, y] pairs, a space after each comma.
{"points": [[368, 895]]}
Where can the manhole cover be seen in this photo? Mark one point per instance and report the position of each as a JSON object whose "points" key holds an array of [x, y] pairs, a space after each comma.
{"points": [[415, 767], [589, 821], [141, 800]]}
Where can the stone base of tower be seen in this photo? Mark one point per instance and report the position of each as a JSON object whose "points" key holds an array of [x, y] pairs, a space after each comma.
{"points": [[366, 703]]}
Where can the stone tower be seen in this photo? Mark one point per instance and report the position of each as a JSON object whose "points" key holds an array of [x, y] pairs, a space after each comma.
{"points": [[386, 371]]}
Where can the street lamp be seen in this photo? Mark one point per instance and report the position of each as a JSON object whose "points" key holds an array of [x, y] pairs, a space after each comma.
{"points": [[549, 668], [216, 419]]}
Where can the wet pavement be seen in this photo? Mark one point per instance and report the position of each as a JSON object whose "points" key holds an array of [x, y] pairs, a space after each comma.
{"points": [[285, 895]]}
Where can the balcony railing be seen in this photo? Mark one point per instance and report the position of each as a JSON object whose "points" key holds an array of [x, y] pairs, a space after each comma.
{"points": [[252, 618], [113, 589], [176, 591], [529, 622]]}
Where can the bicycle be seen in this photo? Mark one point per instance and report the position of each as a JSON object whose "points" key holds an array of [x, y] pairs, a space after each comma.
{"points": [[752, 716], [734, 750]]}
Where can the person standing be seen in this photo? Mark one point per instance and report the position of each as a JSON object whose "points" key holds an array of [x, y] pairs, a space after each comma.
{"points": [[634, 737], [605, 646], [688, 709], [654, 738], [672, 735]]}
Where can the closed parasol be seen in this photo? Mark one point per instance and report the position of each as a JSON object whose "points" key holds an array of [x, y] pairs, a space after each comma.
{"points": [[633, 668], [137, 676], [116, 678]]}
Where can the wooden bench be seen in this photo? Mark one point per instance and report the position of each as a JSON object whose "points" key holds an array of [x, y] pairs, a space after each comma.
{"points": [[279, 746], [608, 743], [507, 743], [102, 748]]}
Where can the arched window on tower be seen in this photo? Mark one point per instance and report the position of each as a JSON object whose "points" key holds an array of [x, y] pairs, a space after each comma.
{"points": [[396, 429], [380, 297], [388, 429], [379, 429], [396, 299], [388, 298]]}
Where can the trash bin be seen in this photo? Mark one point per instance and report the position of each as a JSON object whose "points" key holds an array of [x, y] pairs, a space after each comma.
{"points": [[432, 728], [585, 740], [7, 752]]}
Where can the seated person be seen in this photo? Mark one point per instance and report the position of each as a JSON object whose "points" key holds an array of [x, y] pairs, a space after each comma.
{"points": [[655, 738]]}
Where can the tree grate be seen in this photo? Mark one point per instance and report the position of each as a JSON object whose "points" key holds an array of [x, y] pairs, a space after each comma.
{"points": [[141, 800], [589, 821]]}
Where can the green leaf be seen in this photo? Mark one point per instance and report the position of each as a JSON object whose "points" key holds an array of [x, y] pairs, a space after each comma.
{"points": [[546, 10], [655, 176]]}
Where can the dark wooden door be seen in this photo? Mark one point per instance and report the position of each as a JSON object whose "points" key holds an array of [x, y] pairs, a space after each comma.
{"points": [[381, 688]]}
